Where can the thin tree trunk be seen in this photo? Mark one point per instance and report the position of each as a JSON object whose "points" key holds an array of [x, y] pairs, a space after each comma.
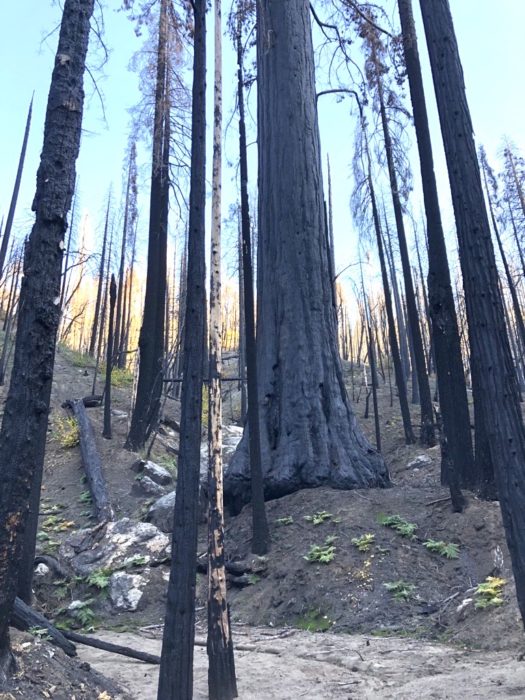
{"points": [[16, 189], [260, 530], [176, 668], [94, 329], [427, 436], [106, 432], [222, 684]]}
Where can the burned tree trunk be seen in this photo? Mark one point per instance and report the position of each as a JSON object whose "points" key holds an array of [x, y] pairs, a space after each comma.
{"points": [[489, 344], [445, 335], [24, 426], [176, 668], [309, 433], [260, 531], [16, 189], [92, 463], [109, 356], [100, 285], [151, 341]]}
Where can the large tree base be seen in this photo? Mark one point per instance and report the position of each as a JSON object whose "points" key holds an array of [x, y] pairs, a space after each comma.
{"points": [[360, 468]]}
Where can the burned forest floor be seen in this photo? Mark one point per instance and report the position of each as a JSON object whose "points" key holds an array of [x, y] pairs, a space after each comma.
{"points": [[364, 594]]}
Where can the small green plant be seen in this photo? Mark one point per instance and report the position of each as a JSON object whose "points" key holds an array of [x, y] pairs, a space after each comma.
{"points": [[314, 621], [399, 524], [489, 593], [322, 553], [253, 579], [365, 542], [401, 590], [287, 520], [67, 432], [318, 518], [99, 579], [445, 549], [85, 497], [86, 617], [57, 523]]}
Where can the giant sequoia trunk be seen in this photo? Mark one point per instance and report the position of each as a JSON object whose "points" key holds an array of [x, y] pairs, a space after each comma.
{"points": [[309, 434], [24, 426], [490, 350]]}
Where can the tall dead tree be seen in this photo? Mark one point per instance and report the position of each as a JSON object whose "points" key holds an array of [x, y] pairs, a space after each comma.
{"points": [[458, 465], [16, 190], [176, 668], [151, 341], [100, 284], [221, 671], [24, 425], [260, 530], [489, 345]]}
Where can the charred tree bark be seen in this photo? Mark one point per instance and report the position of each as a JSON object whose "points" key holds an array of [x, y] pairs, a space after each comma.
{"points": [[260, 531], [92, 463], [106, 432], [100, 286], [489, 343], [392, 336], [427, 435], [129, 222], [176, 672], [309, 433], [445, 335], [151, 341], [24, 425], [16, 189]]}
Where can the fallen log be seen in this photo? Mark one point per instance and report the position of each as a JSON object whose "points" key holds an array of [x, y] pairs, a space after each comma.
{"points": [[25, 618], [92, 463], [93, 401], [112, 648]]}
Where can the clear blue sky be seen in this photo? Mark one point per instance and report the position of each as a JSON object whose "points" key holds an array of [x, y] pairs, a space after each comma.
{"points": [[492, 52]]}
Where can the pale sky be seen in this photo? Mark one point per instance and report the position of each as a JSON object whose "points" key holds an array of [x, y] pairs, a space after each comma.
{"points": [[492, 52]]}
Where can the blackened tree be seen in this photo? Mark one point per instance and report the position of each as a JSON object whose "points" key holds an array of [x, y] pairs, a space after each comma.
{"points": [[24, 426], [176, 668], [489, 344], [309, 433], [151, 340], [16, 190], [459, 461]]}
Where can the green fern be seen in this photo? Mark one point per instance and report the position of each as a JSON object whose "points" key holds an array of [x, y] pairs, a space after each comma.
{"points": [[401, 590], [322, 553], [489, 592], [399, 524], [365, 542], [318, 518], [445, 549]]}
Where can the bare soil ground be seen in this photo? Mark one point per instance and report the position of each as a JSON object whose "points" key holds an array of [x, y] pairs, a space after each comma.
{"points": [[399, 632], [295, 664]]}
